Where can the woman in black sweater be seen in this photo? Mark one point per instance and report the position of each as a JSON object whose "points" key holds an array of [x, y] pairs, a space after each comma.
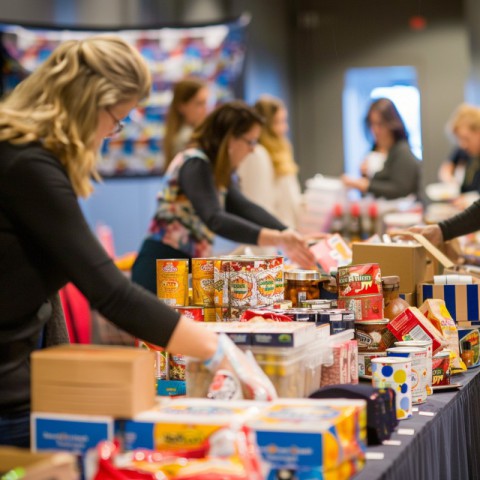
{"points": [[51, 128]]}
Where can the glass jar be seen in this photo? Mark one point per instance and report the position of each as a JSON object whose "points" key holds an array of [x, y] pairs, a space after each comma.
{"points": [[393, 304], [301, 285]]}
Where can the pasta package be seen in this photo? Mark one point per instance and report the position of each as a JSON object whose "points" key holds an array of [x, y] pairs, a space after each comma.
{"points": [[436, 311]]}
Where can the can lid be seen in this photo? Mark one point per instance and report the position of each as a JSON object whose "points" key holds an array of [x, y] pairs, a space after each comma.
{"points": [[391, 280], [302, 275]]}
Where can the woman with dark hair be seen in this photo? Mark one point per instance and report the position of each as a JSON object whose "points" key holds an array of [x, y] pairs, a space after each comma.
{"points": [[400, 175], [186, 111], [199, 198]]}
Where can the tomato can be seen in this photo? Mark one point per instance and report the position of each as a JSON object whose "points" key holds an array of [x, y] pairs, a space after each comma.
{"points": [[363, 279]]}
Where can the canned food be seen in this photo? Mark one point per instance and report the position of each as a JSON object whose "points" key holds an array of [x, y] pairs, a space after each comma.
{"points": [[365, 362], [365, 307], [202, 281], [369, 334], [192, 312], [441, 369], [364, 279], [172, 281], [424, 344]]}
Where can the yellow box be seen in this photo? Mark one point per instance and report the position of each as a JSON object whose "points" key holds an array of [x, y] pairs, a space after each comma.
{"points": [[93, 380]]}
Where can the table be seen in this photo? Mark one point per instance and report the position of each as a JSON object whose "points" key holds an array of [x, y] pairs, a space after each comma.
{"points": [[445, 446]]}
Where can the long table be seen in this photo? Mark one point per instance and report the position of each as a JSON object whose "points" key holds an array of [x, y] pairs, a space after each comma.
{"points": [[441, 441]]}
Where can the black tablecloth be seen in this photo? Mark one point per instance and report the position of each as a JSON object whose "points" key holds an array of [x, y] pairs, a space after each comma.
{"points": [[443, 447]]}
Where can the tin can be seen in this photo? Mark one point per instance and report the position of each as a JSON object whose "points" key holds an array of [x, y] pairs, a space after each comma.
{"points": [[177, 365], [419, 358], [441, 369], [369, 334], [355, 280], [365, 362], [193, 312], [395, 373], [365, 307], [161, 365], [172, 281], [202, 281], [424, 344]]}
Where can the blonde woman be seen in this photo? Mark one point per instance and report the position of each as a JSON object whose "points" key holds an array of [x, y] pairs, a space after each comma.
{"points": [[51, 128], [186, 111], [269, 176]]}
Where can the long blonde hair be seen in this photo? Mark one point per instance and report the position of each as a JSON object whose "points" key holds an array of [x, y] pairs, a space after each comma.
{"points": [[465, 115], [278, 147], [183, 91], [58, 103]]}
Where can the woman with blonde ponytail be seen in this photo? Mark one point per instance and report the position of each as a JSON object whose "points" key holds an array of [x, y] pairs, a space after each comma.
{"points": [[51, 128]]}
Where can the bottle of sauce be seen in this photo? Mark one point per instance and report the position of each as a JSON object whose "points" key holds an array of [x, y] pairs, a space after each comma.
{"points": [[467, 354], [337, 224], [393, 304], [355, 230]]}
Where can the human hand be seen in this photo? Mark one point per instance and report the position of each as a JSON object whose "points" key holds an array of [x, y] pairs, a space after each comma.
{"points": [[361, 184], [252, 378], [296, 248], [432, 233]]}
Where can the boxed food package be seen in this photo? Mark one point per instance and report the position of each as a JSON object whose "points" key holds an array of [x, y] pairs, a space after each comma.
{"points": [[332, 252], [181, 423], [93, 380], [21, 463], [409, 261], [412, 324], [303, 434]]}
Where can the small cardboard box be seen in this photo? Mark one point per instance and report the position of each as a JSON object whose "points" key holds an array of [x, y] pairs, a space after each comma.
{"points": [[462, 301], [93, 380], [409, 261], [38, 466]]}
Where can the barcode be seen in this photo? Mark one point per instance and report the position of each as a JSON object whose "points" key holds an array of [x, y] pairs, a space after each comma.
{"points": [[418, 333]]}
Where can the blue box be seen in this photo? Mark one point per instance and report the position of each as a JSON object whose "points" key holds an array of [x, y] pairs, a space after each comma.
{"points": [[171, 388]]}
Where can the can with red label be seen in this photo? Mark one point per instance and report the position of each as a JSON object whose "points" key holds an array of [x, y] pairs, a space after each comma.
{"points": [[364, 279], [441, 369], [193, 312], [365, 307]]}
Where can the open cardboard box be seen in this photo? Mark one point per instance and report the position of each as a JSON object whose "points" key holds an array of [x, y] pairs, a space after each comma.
{"points": [[38, 466], [413, 263]]}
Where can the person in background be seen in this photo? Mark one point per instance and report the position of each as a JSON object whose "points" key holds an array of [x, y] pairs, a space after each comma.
{"points": [[199, 198], [188, 109], [453, 169], [465, 125], [401, 173], [268, 176], [52, 126]]}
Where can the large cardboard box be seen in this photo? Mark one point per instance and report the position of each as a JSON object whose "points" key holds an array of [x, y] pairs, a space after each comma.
{"points": [[413, 263], [462, 301], [93, 380], [38, 466]]}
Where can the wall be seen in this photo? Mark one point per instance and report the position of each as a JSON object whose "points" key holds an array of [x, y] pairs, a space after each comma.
{"points": [[333, 36]]}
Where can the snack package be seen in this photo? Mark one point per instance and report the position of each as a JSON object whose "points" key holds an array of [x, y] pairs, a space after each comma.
{"points": [[436, 311]]}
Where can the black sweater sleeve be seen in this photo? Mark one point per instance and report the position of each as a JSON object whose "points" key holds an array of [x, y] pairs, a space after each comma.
{"points": [[234, 222], [37, 194], [466, 222]]}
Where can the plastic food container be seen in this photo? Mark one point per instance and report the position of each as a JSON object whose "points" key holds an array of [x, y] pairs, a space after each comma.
{"points": [[301, 285]]}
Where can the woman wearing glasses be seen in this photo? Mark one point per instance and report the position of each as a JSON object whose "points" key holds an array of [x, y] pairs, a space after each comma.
{"points": [[51, 128], [199, 198]]}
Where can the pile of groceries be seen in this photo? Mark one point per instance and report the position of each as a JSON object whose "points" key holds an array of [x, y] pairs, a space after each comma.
{"points": [[153, 415]]}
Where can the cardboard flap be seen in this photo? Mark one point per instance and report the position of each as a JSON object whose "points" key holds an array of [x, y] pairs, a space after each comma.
{"points": [[429, 247]]}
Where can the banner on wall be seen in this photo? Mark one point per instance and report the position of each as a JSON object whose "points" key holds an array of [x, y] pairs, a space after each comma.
{"points": [[214, 53]]}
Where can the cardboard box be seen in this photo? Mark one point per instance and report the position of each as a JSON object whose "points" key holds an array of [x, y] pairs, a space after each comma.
{"points": [[38, 466], [410, 298], [462, 301], [413, 263], [93, 380]]}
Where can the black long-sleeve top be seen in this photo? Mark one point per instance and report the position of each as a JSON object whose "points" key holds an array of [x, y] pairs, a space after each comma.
{"points": [[400, 176], [45, 242], [466, 222], [241, 220]]}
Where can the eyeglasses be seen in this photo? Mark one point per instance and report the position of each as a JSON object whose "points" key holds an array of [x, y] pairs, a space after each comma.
{"points": [[119, 125], [251, 143]]}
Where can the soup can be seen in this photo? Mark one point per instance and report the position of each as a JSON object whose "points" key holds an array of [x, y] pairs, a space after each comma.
{"points": [[369, 334], [419, 358], [172, 281], [395, 373], [365, 362], [423, 344]]}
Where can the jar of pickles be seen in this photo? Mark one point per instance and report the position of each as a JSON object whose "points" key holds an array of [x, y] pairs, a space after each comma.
{"points": [[301, 285]]}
